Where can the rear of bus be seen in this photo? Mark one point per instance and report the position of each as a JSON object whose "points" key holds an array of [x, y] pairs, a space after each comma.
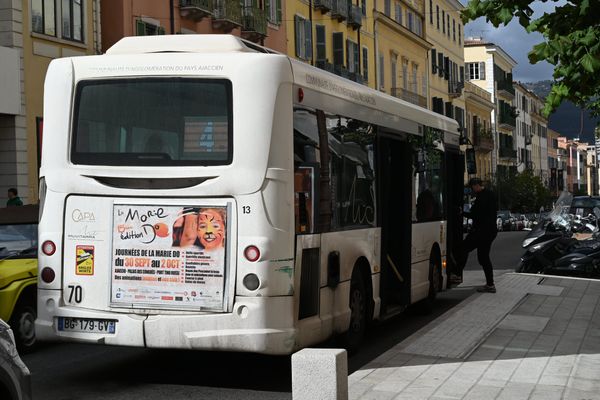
{"points": [[166, 195]]}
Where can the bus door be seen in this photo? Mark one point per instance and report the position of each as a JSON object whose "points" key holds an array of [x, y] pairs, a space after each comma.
{"points": [[394, 214], [455, 167]]}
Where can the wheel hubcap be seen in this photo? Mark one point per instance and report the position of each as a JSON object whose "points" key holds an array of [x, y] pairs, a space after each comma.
{"points": [[27, 327], [356, 306]]}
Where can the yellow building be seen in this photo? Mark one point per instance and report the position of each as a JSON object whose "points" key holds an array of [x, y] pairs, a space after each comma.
{"points": [[401, 49], [444, 31], [478, 125], [490, 67], [333, 35], [35, 32]]}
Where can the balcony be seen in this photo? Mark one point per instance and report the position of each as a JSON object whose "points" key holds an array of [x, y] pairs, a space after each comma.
{"points": [[254, 23], [455, 88], [483, 139], [354, 16], [325, 65], [409, 96], [324, 5], [507, 152], [196, 10], [227, 15], [339, 10], [506, 88]]}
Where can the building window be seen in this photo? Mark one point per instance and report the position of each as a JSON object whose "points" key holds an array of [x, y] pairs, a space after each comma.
{"points": [[387, 8], [321, 43], [405, 74], [431, 12], [437, 12], [476, 70], [459, 35], [443, 21], [274, 11], [381, 72], [43, 17], [338, 51], [353, 56], [398, 14], [365, 62], [303, 37], [415, 74], [453, 29], [363, 6], [72, 20], [145, 28], [433, 61], [448, 24]]}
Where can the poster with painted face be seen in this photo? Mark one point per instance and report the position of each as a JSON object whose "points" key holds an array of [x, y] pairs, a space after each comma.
{"points": [[169, 256]]}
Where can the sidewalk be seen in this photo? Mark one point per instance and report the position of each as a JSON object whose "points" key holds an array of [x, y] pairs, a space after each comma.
{"points": [[533, 339]]}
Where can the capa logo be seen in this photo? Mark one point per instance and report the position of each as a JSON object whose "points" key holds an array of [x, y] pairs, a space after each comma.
{"points": [[82, 216]]}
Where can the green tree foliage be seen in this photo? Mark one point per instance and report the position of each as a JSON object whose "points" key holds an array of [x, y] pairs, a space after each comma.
{"points": [[571, 43], [522, 192]]}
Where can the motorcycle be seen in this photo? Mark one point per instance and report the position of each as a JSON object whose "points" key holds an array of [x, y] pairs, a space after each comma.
{"points": [[553, 247]]}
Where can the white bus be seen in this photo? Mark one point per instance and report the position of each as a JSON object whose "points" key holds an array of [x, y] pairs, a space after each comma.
{"points": [[200, 192]]}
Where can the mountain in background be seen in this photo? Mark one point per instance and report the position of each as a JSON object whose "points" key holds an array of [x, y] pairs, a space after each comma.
{"points": [[566, 120]]}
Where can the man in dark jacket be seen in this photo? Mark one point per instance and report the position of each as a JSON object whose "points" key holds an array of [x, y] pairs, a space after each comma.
{"points": [[483, 213]]}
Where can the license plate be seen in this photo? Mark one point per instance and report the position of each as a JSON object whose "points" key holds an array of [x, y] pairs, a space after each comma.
{"points": [[86, 325]]}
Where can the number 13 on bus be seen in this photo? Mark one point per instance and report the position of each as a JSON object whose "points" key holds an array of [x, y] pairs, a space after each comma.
{"points": [[201, 192]]}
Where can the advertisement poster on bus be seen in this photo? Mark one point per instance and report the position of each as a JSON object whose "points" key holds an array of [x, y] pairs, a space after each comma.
{"points": [[169, 256]]}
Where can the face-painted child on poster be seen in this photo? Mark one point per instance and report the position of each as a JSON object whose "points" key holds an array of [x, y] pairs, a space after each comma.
{"points": [[211, 228]]}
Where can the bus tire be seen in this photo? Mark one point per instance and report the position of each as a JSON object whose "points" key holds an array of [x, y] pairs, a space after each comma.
{"points": [[22, 324], [435, 277], [353, 337]]}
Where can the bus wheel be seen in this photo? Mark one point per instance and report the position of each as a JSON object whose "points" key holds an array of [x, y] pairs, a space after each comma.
{"points": [[435, 278], [23, 325], [358, 316]]}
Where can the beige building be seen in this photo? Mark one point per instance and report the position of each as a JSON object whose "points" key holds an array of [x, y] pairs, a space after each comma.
{"points": [[401, 49], [478, 127], [258, 22], [33, 33], [333, 35], [555, 163], [444, 31], [490, 67]]}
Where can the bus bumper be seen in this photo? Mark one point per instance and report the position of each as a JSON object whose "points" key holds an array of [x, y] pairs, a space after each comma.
{"points": [[257, 324]]}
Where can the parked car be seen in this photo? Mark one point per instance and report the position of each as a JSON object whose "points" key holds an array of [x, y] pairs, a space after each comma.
{"points": [[15, 378], [18, 272], [506, 218], [584, 205]]}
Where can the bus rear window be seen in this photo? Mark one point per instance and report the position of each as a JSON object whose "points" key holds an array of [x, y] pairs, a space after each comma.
{"points": [[153, 122]]}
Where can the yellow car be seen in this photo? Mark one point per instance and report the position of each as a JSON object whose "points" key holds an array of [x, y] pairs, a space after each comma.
{"points": [[18, 272]]}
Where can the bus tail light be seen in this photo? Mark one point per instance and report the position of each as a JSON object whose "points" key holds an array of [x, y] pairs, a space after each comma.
{"points": [[48, 247], [48, 275], [252, 253], [251, 282]]}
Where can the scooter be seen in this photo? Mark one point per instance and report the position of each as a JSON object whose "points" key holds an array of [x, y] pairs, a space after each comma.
{"points": [[552, 249]]}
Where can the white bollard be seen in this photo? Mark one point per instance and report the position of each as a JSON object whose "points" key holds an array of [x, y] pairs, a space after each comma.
{"points": [[320, 374]]}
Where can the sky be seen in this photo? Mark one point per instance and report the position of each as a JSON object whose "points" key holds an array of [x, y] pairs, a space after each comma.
{"points": [[517, 42]]}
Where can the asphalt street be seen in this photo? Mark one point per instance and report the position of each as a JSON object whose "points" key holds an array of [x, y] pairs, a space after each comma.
{"points": [[75, 371]]}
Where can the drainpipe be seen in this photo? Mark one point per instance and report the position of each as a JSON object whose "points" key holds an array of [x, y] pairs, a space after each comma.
{"points": [[310, 7], [377, 66]]}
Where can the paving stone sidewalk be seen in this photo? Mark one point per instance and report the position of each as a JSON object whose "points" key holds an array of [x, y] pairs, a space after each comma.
{"points": [[534, 339]]}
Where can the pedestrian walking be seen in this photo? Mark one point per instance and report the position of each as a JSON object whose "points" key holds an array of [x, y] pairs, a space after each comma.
{"points": [[13, 198], [484, 231]]}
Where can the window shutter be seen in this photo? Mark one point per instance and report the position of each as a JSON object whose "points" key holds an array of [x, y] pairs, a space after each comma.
{"points": [[446, 68], [338, 48], [308, 39], [297, 24], [321, 45], [356, 58], [278, 11], [366, 63], [268, 10], [482, 70], [140, 28], [462, 74], [441, 64], [348, 54], [433, 61], [449, 110]]}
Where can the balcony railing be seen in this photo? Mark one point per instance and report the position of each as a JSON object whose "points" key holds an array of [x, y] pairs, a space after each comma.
{"points": [[254, 23], [324, 65], [227, 15], [324, 5], [196, 9], [507, 152], [409, 96], [339, 9], [483, 140], [506, 88], [455, 88], [354, 16]]}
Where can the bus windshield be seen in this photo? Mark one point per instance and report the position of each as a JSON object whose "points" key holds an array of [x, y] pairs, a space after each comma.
{"points": [[153, 122]]}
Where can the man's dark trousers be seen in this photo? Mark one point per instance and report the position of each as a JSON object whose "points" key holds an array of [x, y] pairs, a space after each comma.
{"points": [[482, 241]]}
